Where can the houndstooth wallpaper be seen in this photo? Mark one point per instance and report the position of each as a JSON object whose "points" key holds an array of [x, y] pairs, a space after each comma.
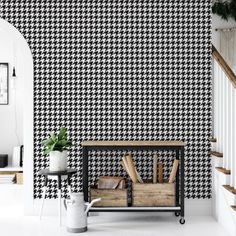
{"points": [[120, 70]]}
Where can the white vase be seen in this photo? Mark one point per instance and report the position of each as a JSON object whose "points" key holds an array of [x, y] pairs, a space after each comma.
{"points": [[57, 161]]}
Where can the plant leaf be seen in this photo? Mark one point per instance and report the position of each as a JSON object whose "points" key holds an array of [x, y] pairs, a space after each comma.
{"points": [[48, 141], [56, 142], [62, 133], [53, 136]]}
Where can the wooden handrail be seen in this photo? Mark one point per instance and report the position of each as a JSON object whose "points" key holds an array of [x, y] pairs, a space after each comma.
{"points": [[223, 64]]}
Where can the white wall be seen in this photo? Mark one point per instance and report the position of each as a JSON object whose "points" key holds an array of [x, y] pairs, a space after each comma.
{"points": [[217, 22], [11, 125]]}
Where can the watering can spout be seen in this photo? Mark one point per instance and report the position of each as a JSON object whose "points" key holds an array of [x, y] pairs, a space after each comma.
{"points": [[89, 205]]}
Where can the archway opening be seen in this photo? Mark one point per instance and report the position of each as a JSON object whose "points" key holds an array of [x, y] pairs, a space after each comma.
{"points": [[16, 119]]}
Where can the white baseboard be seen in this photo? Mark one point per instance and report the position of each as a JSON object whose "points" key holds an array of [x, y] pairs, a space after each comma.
{"points": [[198, 207]]}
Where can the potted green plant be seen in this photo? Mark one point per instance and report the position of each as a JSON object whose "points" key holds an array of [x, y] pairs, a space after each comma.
{"points": [[56, 146]]}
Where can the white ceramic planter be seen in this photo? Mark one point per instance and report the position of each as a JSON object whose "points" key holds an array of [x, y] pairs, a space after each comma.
{"points": [[57, 161]]}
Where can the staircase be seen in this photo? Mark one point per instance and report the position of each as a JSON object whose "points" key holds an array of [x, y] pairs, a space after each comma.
{"points": [[223, 143]]}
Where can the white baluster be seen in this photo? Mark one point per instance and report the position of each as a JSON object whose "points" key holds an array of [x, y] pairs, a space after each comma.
{"points": [[228, 122], [225, 124], [223, 111], [216, 104], [220, 110], [219, 99], [233, 136], [233, 170]]}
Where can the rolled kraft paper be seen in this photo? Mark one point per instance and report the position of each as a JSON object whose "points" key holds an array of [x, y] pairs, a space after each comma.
{"points": [[139, 177], [174, 171], [155, 157], [160, 172], [125, 165], [131, 168]]}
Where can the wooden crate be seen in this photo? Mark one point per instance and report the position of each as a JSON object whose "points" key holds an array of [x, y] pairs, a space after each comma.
{"points": [[19, 178], [110, 197], [150, 195]]}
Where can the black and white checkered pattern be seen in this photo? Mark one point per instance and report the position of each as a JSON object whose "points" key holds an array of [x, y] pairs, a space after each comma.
{"points": [[120, 70]]}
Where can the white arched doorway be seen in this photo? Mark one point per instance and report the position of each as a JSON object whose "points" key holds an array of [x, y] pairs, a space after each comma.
{"points": [[23, 61]]}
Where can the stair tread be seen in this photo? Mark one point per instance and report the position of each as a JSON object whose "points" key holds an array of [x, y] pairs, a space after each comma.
{"points": [[212, 140], [234, 207], [217, 154], [230, 189], [223, 170]]}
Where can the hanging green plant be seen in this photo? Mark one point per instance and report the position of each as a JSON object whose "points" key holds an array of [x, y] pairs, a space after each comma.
{"points": [[225, 9]]}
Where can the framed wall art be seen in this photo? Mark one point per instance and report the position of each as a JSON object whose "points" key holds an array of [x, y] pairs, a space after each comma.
{"points": [[4, 83]]}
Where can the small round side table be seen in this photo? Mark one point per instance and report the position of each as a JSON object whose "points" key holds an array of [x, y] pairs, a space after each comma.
{"points": [[59, 176]]}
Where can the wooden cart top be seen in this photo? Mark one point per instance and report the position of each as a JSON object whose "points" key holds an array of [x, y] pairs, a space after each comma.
{"points": [[133, 143]]}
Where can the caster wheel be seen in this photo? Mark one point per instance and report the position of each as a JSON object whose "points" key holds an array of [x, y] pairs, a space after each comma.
{"points": [[182, 221], [177, 214]]}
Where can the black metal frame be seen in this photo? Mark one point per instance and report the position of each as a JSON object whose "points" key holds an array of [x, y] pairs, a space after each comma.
{"points": [[179, 198]]}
